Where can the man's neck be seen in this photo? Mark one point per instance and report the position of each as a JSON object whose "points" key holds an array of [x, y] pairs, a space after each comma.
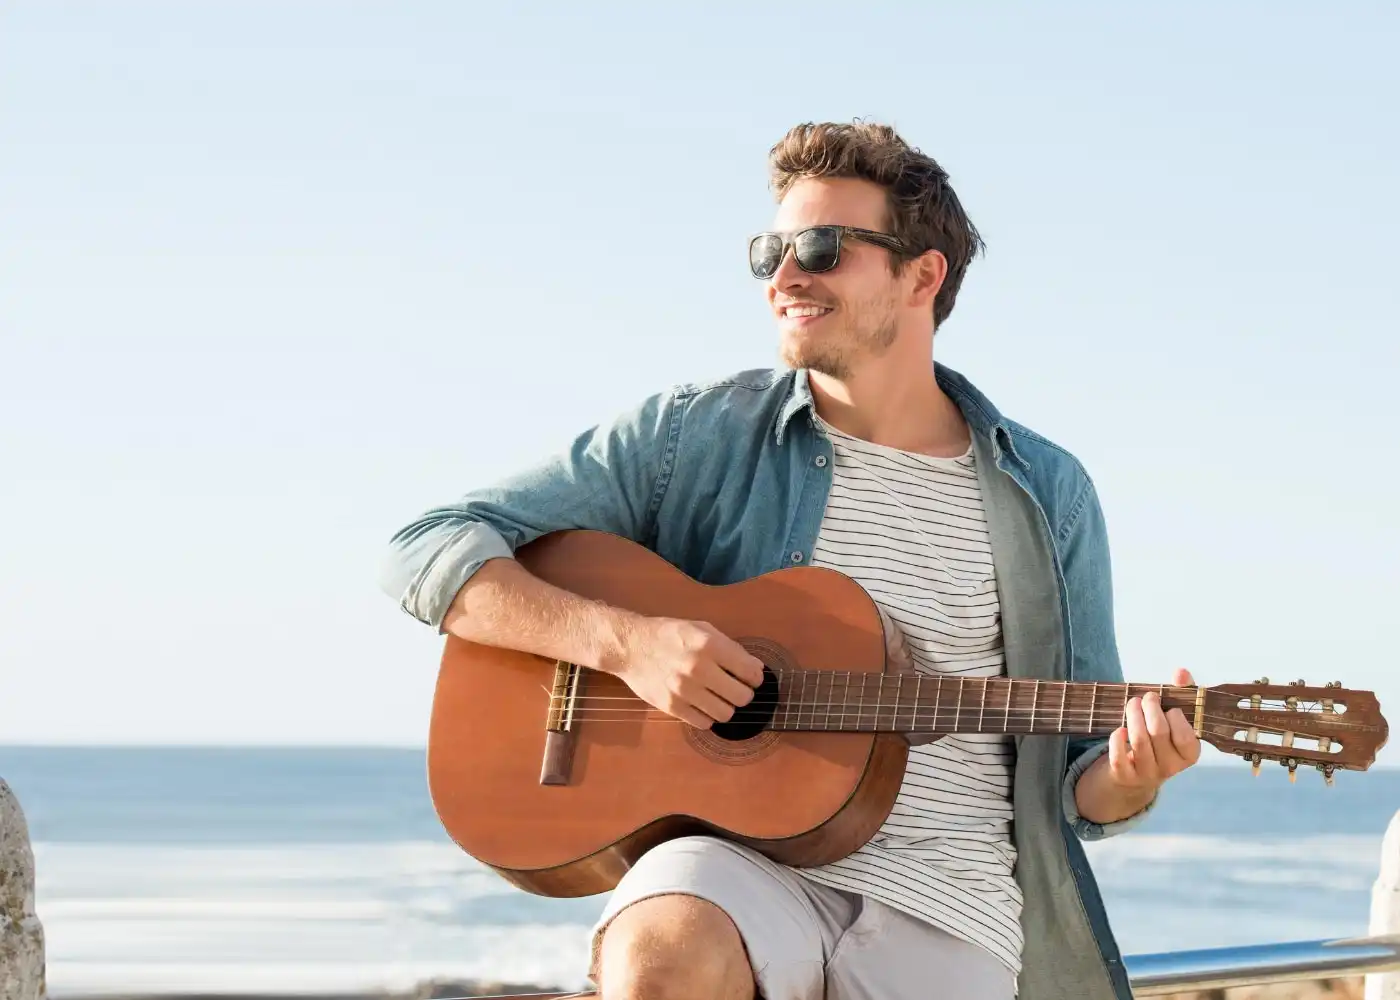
{"points": [[891, 402]]}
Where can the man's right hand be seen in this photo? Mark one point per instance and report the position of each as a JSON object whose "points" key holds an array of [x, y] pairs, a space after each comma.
{"points": [[689, 670]]}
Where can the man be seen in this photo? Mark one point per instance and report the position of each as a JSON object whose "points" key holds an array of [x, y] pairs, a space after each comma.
{"points": [[982, 543]]}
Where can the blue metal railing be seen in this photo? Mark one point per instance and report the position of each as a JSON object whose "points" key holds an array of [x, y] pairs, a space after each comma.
{"points": [[1260, 964]]}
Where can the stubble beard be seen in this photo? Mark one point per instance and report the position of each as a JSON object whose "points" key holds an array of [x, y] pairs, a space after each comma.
{"points": [[836, 353]]}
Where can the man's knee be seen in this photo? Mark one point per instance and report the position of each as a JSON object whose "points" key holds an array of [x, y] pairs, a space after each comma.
{"points": [[673, 947]]}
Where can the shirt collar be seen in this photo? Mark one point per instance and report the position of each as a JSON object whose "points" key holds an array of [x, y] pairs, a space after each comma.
{"points": [[979, 412]]}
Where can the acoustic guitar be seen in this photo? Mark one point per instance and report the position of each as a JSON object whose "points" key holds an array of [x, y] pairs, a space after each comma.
{"points": [[559, 777]]}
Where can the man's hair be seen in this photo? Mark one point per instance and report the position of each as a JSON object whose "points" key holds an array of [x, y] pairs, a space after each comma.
{"points": [[924, 212]]}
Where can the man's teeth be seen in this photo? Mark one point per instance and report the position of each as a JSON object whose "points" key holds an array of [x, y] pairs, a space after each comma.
{"points": [[806, 310]]}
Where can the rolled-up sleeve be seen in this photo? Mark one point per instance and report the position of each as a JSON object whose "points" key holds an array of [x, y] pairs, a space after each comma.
{"points": [[1086, 829], [611, 478], [425, 570]]}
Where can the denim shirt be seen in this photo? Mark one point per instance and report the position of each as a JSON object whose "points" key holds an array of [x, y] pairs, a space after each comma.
{"points": [[729, 480]]}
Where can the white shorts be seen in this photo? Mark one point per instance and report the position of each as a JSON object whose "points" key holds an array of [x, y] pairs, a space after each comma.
{"points": [[808, 941]]}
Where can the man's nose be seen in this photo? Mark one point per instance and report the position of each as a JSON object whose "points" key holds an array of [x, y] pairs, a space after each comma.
{"points": [[789, 277]]}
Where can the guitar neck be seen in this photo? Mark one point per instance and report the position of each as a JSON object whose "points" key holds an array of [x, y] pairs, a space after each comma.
{"points": [[841, 701]]}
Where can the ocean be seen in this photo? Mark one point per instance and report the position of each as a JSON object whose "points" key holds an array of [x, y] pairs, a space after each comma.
{"points": [[183, 869]]}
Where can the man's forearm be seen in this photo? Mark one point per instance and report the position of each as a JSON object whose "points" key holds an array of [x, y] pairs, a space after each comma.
{"points": [[1100, 800], [505, 605]]}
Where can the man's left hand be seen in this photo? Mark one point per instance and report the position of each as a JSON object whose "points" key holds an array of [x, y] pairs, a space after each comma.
{"points": [[1153, 745], [1149, 748]]}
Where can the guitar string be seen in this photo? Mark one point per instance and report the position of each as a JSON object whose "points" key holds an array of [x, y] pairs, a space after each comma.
{"points": [[783, 719], [1097, 690], [922, 710], [937, 710], [1020, 713], [584, 710], [1306, 753], [920, 699]]}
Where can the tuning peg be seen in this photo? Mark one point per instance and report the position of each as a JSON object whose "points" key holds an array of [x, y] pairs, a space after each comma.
{"points": [[1334, 684], [1254, 761], [1262, 680], [1292, 765], [1300, 683], [1326, 770]]}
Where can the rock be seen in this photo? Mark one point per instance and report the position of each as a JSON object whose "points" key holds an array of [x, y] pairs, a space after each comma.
{"points": [[21, 935]]}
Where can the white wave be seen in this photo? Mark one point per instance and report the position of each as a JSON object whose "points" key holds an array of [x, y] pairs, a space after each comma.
{"points": [[1167, 847]]}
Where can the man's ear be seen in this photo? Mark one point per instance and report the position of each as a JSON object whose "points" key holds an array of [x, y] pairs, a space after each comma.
{"points": [[930, 270]]}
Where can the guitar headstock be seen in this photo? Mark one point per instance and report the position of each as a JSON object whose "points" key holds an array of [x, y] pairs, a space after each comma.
{"points": [[1330, 727]]}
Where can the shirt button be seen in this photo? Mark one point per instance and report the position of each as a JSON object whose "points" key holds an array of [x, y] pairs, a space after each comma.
{"points": [[796, 557], [821, 461]]}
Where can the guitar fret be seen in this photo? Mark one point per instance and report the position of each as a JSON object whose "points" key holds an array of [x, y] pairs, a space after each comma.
{"points": [[860, 719], [896, 701], [1035, 696], [1064, 696], [824, 700], [845, 699], [937, 703], [982, 706]]}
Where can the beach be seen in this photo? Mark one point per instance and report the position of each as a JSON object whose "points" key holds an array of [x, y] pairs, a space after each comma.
{"points": [[325, 873]]}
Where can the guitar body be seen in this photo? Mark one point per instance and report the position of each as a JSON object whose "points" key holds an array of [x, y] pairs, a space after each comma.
{"points": [[636, 778]]}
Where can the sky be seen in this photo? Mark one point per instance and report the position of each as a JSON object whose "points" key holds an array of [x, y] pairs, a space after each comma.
{"points": [[274, 278]]}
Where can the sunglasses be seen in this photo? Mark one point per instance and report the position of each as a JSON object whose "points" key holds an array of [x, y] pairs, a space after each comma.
{"points": [[816, 249]]}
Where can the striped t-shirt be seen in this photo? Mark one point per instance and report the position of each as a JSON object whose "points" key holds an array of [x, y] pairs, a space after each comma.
{"points": [[911, 530]]}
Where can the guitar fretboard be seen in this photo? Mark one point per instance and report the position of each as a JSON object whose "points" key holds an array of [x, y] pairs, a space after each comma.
{"points": [[833, 700]]}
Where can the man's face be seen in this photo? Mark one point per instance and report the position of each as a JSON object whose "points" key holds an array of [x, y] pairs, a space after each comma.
{"points": [[830, 321]]}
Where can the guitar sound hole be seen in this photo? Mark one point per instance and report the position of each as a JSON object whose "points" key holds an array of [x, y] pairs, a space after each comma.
{"points": [[754, 717]]}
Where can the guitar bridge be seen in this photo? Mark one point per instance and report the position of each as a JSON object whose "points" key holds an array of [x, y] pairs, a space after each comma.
{"points": [[558, 762]]}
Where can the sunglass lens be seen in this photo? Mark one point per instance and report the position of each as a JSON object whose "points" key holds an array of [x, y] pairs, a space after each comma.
{"points": [[818, 249], [765, 255]]}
